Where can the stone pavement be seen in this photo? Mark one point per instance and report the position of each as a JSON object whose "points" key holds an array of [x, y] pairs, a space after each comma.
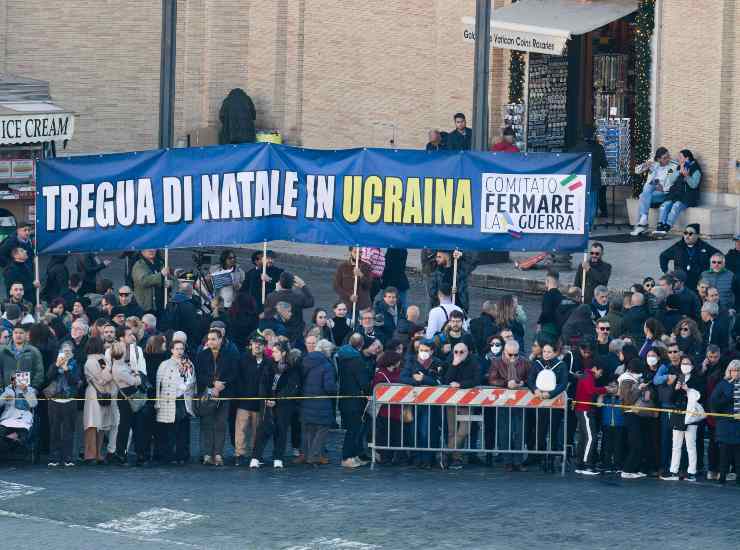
{"points": [[631, 262]]}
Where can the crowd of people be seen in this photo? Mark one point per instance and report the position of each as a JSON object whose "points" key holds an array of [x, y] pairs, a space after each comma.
{"points": [[126, 371]]}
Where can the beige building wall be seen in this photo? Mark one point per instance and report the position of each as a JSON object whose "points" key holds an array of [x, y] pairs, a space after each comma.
{"points": [[101, 60], [698, 103]]}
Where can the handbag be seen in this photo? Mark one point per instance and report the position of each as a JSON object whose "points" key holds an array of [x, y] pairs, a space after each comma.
{"points": [[206, 404], [137, 400], [104, 398]]}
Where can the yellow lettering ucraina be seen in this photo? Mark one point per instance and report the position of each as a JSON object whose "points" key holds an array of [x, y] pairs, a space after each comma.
{"points": [[414, 201]]}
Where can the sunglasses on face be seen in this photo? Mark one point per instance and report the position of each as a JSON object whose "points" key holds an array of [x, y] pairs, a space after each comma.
{"points": [[685, 329], [124, 294], [715, 262], [689, 233], [604, 329], [595, 254]]}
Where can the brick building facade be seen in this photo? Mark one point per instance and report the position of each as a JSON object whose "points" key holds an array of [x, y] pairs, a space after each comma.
{"points": [[341, 74]]}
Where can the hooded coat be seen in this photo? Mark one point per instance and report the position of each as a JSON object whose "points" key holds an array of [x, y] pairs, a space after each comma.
{"points": [[237, 116], [318, 380]]}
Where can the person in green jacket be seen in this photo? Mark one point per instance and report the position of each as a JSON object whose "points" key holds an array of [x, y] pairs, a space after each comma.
{"points": [[20, 356], [149, 276]]}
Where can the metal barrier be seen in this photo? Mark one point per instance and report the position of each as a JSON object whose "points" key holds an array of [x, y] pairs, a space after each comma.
{"points": [[431, 420]]}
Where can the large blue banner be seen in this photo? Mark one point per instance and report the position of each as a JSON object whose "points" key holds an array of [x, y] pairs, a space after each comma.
{"points": [[248, 193]]}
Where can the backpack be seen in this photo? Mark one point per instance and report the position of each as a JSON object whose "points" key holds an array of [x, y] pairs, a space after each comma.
{"points": [[546, 379]]}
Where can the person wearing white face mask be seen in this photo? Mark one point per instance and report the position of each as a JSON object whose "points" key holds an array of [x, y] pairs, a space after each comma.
{"points": [[688, 380], [423, 369]]}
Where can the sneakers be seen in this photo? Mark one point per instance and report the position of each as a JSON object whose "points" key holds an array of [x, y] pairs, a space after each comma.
{"points": [[456, 465], [691, 477], [352, 462], [218, 460], [323, 460], [297, 452], [732, 477], [278, 464], [638, 230], [632, 475], [362, 461], [300, 459], [237, 461], [662, 229], [670, 477], [207, 460], [69, 464], [712, 475], [254, 464], [587, 472], [53, 464]]}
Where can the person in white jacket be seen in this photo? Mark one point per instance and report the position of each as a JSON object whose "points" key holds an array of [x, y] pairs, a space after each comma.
{"points": [[175, 388], [662, 172]]}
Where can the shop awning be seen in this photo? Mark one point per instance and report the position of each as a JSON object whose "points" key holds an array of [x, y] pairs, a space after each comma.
{"points": [[28, 115], [544, 26], [34, 122]]}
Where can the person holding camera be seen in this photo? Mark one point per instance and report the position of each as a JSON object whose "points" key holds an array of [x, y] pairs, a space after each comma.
{"points": [[99, 414], [63, 377]]}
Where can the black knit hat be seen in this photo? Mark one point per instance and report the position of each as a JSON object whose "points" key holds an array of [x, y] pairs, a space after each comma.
{"points": [[695, 226]]}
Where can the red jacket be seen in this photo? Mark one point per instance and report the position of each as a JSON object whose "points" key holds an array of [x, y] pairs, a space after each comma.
{"points": [[505, 147], [587, 390]]}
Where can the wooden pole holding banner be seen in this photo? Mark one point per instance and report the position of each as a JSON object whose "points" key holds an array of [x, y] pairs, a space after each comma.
{"points": [[167, 268], [264, 272], [454, 277], [354, 293], [583, 279]]}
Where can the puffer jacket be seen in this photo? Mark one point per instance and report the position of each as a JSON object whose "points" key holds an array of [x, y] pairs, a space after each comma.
{"points": [[724, 281]]}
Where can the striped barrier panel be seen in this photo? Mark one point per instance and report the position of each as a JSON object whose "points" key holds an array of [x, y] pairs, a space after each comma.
{"points": [[401, 394]]}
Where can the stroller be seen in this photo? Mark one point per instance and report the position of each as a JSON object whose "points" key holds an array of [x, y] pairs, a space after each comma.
{"points": [[18, 425]]}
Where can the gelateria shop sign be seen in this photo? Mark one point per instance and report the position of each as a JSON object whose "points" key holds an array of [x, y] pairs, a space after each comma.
{"points": [[516, 37], [35, 128]]}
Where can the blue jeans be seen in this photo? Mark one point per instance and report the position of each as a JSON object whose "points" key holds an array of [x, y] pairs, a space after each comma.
{"points": [[510, 432], [648, 198], [670, 210], [428, 422]]}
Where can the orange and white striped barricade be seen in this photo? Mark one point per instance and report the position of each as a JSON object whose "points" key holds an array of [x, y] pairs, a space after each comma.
{"points": [[508, 413]]}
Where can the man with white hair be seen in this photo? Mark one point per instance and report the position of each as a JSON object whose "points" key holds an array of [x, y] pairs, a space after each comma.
{"points": [[510, 371], [716, 327]]}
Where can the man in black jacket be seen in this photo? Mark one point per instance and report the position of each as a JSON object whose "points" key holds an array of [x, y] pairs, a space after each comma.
{"points": [[127, 303], [394, 273], [483, 327], [21, 238], [461, 138], [253, 278], [182, 314], [19, 272], [354, 379], [248, 384], [691, 255], [634, 319], [688, 299], [596, 271], [57, 278], [551, 299], [216, 372]]}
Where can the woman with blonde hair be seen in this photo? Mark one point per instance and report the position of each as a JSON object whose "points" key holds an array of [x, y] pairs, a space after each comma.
{"points": [[100, 413]]}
